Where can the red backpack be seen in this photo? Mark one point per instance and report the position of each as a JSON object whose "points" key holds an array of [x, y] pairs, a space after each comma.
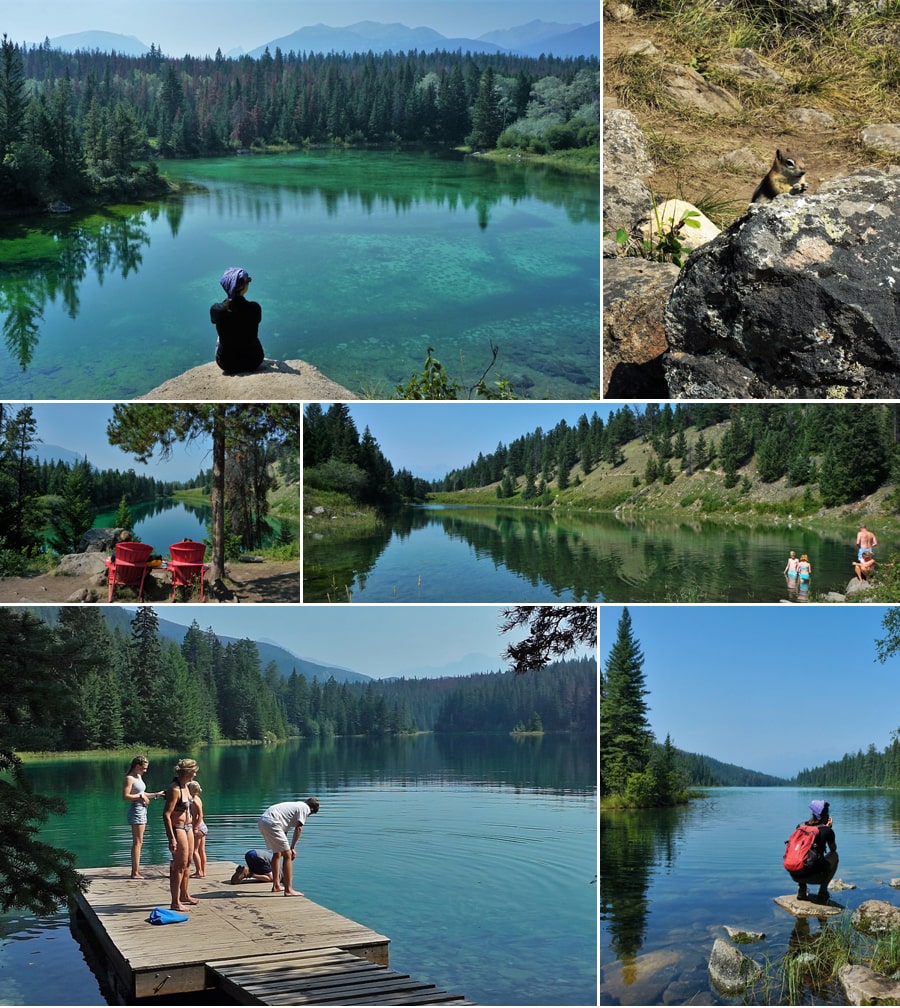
{"points": [[799, 852]]}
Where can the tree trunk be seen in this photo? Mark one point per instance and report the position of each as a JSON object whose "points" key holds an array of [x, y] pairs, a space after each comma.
{"points": [[217, 497]]}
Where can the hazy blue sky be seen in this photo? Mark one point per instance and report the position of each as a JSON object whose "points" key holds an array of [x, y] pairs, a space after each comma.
{"points": [[202, 26], [430, 439], [377, 641], [773, 688], [81, 427]]}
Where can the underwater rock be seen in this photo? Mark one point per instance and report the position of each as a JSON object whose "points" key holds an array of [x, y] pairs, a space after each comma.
{"points": [[742, 936]]}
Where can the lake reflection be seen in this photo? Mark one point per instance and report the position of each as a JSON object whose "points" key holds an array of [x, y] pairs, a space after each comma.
{"points": [[164, 521], [361, 261], [670, 879], [442, 553]]}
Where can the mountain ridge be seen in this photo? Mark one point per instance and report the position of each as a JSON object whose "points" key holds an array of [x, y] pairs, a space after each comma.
{"points": [[534, 39]]}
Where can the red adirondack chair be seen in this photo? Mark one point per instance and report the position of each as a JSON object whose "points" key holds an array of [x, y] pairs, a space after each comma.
{"points": [[187, 564], [129, 566]]}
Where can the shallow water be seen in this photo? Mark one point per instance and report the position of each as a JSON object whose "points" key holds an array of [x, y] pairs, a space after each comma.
{"points": [[442, 553], [670, 879], [360, 260]]}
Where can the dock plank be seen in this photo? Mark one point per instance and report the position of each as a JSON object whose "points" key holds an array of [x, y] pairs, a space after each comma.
{"points": [[256, 946], [245, 920]]}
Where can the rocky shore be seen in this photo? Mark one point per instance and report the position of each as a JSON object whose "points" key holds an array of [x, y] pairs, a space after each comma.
{"points": [[732, 971], [273, 381]]}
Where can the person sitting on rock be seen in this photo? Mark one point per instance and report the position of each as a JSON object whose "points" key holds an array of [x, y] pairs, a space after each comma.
{"points": [[237, 320], [822, 870], [865, 566]]}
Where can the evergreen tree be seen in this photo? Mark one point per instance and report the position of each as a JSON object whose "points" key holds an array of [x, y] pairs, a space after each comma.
{"points": [[34, 875], [487, 122], [21, 517], [75, 513], [124, 518], [625, 735]]}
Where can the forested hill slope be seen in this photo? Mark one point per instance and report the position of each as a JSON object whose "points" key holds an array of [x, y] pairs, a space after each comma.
{"points": [[697, 458], [872, 768], [704, 771]]}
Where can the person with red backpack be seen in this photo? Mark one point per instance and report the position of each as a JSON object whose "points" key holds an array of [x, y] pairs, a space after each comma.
{"points": [[805, 856]]}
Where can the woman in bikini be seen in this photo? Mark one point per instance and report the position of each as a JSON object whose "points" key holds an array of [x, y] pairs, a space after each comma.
{"points": [[178, 816]]}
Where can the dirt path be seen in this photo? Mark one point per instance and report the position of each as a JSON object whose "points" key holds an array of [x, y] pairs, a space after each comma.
{"points": [[244, 582]]}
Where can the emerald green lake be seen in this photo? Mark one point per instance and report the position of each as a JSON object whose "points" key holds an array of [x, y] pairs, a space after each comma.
{"points": [[475, 855], [163, 522], [361, 260], [442, 553]]}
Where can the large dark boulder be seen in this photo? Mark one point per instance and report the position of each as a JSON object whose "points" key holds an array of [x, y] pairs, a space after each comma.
{"points": [[799, 298]]}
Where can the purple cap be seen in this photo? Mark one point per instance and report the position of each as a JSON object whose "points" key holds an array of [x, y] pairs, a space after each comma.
{"points": [[817, 807], [233, 278]]}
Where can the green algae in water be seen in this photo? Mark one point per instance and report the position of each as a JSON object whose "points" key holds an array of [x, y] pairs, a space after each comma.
{"points": [[361, 260]]}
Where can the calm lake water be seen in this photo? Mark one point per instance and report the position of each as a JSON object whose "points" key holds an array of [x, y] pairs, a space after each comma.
{"points": [[163, 522], [476, 856], [360, 260], [442, 553], [671, 878]]}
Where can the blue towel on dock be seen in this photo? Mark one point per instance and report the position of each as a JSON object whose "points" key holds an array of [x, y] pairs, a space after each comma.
{"points": [[163, 915]]}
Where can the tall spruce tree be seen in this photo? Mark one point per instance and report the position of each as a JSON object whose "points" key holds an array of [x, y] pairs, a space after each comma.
{"points": [[625, 735]]}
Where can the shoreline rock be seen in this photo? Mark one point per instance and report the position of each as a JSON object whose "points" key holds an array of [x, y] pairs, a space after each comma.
{"points": [[274, 381]]}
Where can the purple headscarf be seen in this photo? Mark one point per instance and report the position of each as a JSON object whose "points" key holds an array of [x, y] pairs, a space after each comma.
{"points": [[817, 808], [233, 278]]}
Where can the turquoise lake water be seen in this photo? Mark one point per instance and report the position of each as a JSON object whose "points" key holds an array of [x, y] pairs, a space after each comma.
{"points": [[476, 856], [361, 261]]}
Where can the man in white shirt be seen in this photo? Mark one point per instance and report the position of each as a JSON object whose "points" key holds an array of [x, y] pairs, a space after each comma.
{"points": [[274, 824]]}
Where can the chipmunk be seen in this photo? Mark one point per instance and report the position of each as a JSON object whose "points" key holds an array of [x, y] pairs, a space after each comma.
{"points": [[785, 176]]}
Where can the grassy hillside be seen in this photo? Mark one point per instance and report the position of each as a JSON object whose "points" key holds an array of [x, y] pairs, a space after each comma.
{"points": [[624, 487]]}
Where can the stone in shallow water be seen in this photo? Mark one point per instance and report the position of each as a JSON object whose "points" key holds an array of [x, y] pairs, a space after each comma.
{"points": [[804, 908], [741, 936], [730, 970]]}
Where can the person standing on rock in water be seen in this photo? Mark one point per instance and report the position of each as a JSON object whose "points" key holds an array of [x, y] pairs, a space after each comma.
{"points": [[237, 324], [865, 542], [823, 866]]}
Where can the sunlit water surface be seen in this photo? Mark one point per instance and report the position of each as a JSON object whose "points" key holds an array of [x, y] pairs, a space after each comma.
{"points": [[476, 857]]}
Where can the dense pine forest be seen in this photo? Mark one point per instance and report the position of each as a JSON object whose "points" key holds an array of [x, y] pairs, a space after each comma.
{"points": [[114, 688], [872, 768], [84, 124], [845, 451], [337, 458]]}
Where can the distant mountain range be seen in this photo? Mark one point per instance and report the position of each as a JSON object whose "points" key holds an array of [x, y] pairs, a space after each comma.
{"points": [[105, 41], [532, 39], [52, 452], [120, 617]]}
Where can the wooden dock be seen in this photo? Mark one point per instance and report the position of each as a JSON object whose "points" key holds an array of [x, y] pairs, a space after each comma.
{"points": [[252, 945]]}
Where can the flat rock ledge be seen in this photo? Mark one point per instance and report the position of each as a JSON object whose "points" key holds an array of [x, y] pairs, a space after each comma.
{"points": [[273, 381], [863, 986], [803, 908]]}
